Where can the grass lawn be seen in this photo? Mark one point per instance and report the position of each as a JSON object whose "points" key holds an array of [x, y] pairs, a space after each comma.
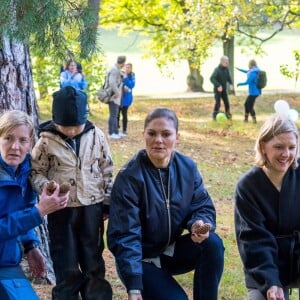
{"points": [[223, 152]]}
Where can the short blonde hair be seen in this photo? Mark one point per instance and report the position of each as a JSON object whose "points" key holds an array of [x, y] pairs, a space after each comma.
{"points": [[274, 125], [13, 118]]}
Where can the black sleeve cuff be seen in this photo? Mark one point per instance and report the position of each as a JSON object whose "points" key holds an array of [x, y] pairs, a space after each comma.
{"points": [[30, 246]]}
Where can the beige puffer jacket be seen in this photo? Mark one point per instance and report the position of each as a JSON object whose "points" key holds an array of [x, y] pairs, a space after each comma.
{"points": [[90, 174]]}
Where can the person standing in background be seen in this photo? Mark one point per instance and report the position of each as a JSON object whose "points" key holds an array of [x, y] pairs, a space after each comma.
{"points": [[71, 76], [115, 82], [128, 85], [219, 78], [253, 90]]}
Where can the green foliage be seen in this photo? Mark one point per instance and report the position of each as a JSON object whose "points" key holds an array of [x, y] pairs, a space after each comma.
{"points": [[294, 72], [51, 26], [186, 30], [177, 29]]}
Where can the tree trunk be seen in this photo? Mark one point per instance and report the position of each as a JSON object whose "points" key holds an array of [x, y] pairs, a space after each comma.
{"points": [[194, 79], [228, 50], [16, 84], [17, 92]]}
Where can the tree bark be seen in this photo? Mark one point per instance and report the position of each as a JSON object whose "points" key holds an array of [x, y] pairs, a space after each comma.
{"points": [[17, 92], [194, 79], [16, 83]]}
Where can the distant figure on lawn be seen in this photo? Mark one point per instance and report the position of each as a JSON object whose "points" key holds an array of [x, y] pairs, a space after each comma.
{"points": [[157, 195], [127, 97], [253, 90], [73, 76], [115, 78], [219, 78], [267, 206]]}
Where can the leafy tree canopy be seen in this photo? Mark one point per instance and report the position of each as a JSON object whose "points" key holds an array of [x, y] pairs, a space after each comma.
{"points": [[52, 26], [186, 29]]}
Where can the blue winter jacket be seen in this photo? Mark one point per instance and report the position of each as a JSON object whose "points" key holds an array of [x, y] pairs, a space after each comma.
{"points": [[68, 79], [18, 215], [129, 82], [252, 76], [139, 224]]}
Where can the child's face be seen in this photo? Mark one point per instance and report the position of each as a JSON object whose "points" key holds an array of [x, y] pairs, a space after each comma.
{"points": [[70, 131]]}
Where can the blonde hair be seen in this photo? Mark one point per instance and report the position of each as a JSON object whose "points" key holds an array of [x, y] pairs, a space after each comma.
{"points": [[274, 125], [13, 118]]}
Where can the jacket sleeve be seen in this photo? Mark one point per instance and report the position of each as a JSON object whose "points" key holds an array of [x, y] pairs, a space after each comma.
{"points": [[29, 238], [242, 70], [83, 83], [213, 78], [40, 166], [113, 80], [64, 78], [106, 165], [257, 246], [19, 223], [229, 79], [124, 231], [130, 81], [202, 207]]}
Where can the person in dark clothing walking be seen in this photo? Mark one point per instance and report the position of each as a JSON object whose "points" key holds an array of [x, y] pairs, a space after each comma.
{"points": [[253, 90], [219, 78]]}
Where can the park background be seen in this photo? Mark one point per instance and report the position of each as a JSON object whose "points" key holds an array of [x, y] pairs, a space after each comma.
{"points": [[152, 82], [223, 150]]}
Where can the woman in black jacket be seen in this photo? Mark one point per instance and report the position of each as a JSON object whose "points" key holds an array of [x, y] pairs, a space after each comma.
{"points": [[267, 206], [155, 197]]}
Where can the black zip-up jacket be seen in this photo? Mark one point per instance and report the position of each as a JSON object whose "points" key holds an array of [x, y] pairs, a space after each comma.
{"points": [[139, 224], [220, 77], [265, 220]]}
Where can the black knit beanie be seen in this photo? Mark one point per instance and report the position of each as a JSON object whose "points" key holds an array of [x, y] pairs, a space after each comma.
{"points": [[69, 107]]}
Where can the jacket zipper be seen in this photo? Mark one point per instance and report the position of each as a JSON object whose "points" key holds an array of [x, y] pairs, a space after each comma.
{"points": [[166, 196]]}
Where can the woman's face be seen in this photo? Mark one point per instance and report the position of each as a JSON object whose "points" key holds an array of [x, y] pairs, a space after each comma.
{"points": [[280, 152], [15, 144], [160, 138], [72, 67], [128, 68]]}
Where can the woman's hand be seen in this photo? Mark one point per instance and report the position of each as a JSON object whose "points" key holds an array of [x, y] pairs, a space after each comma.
{"points": [[275, 293], [36, 263], [200, 231], [50, 203]]}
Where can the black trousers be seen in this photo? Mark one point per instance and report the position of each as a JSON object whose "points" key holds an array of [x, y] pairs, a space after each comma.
{"points": [[76, 247], [123, 110], [249, 105], [224, 96]]}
